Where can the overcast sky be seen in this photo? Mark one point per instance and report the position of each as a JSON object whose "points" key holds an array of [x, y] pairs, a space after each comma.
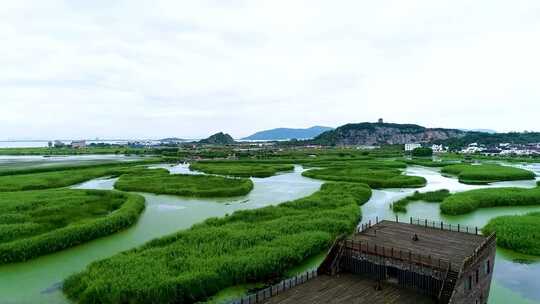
{"points": [[152, 69]]}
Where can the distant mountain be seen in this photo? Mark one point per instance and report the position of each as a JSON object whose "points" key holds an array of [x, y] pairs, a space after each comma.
{"points": [[171, 140], [384, 133], [490, 131], [288, 133], [218, 139]]}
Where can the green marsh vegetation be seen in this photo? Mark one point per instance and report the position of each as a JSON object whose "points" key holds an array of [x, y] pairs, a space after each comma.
{"points": [[245, 247], [375, 178], [22, 181], [160, 181], [34, 223], [18, 169], [520, 233], [468, 201], [240, 169], [486, 173], [427, 162], [422, 152], [356, 163], [430, 197], [72, 151]]}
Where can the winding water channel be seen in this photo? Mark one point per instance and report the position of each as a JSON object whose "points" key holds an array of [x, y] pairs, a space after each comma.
{"points": [[38, 281]]}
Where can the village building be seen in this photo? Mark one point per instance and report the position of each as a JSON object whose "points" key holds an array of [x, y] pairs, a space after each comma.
{"points": [[412, 146], [78, 144]]}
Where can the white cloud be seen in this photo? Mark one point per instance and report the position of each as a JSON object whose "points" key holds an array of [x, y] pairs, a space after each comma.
{"points": [[189, 68]]}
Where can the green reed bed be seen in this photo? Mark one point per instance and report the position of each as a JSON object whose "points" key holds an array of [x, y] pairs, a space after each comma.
{"points": [[468, 201], [427, 163], [356, 163], [487, 173], [430, 197], [160, 181], [240, 169], [375, 178], [57, 179], [34, 223], [520, 233], [18, 169], [247, 246]]}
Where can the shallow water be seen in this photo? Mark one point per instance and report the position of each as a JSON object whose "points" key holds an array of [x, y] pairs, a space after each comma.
{"points": [[10, 162], [515, 275], [37, 281]]}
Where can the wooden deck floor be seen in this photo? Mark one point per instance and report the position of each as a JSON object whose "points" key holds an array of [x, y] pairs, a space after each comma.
{"points": [[347, 288], [444, 244]]}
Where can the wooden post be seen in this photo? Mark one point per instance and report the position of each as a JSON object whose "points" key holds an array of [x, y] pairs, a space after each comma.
{"points": [[442, 225], [411, 220], [425, 224], [476, 230], [397, 219]]}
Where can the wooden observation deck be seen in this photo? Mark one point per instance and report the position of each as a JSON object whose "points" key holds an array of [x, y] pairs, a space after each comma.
{"points": [[392, 262]]}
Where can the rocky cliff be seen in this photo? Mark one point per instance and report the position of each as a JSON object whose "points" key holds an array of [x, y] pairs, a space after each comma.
{"points": [[384, 133]]}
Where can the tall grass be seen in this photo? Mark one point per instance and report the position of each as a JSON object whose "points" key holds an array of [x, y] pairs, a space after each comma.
{"points": [[34, 223], [75, 166], [247, 246], [57, 179], [487, 173], [356, 163], [520, 233], [468, 201], [159, 181], [427, 162], [384, 178], [240, 169], [431, 197]]}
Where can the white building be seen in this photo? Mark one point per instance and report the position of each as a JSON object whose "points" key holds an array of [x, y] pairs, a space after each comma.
{"points": [[438, 148], [79, 144], [410, 147], [472, 148]]}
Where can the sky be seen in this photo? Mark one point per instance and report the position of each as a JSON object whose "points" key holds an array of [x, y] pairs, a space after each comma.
{"points": [[154, 69]]}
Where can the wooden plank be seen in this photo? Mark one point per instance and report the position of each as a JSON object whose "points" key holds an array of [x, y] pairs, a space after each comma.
{"points": [[348, 288], [432, 242]]}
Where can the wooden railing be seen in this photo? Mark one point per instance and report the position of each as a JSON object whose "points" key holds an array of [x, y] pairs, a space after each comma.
{"points": [[443, 226], [490, 240], [364, 247], [470, 260], [440, 225], [329, 263], [274, 290]]}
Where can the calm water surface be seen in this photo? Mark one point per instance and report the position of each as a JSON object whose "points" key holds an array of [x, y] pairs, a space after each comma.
{"points": [[516, 276], [37, 281]]}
